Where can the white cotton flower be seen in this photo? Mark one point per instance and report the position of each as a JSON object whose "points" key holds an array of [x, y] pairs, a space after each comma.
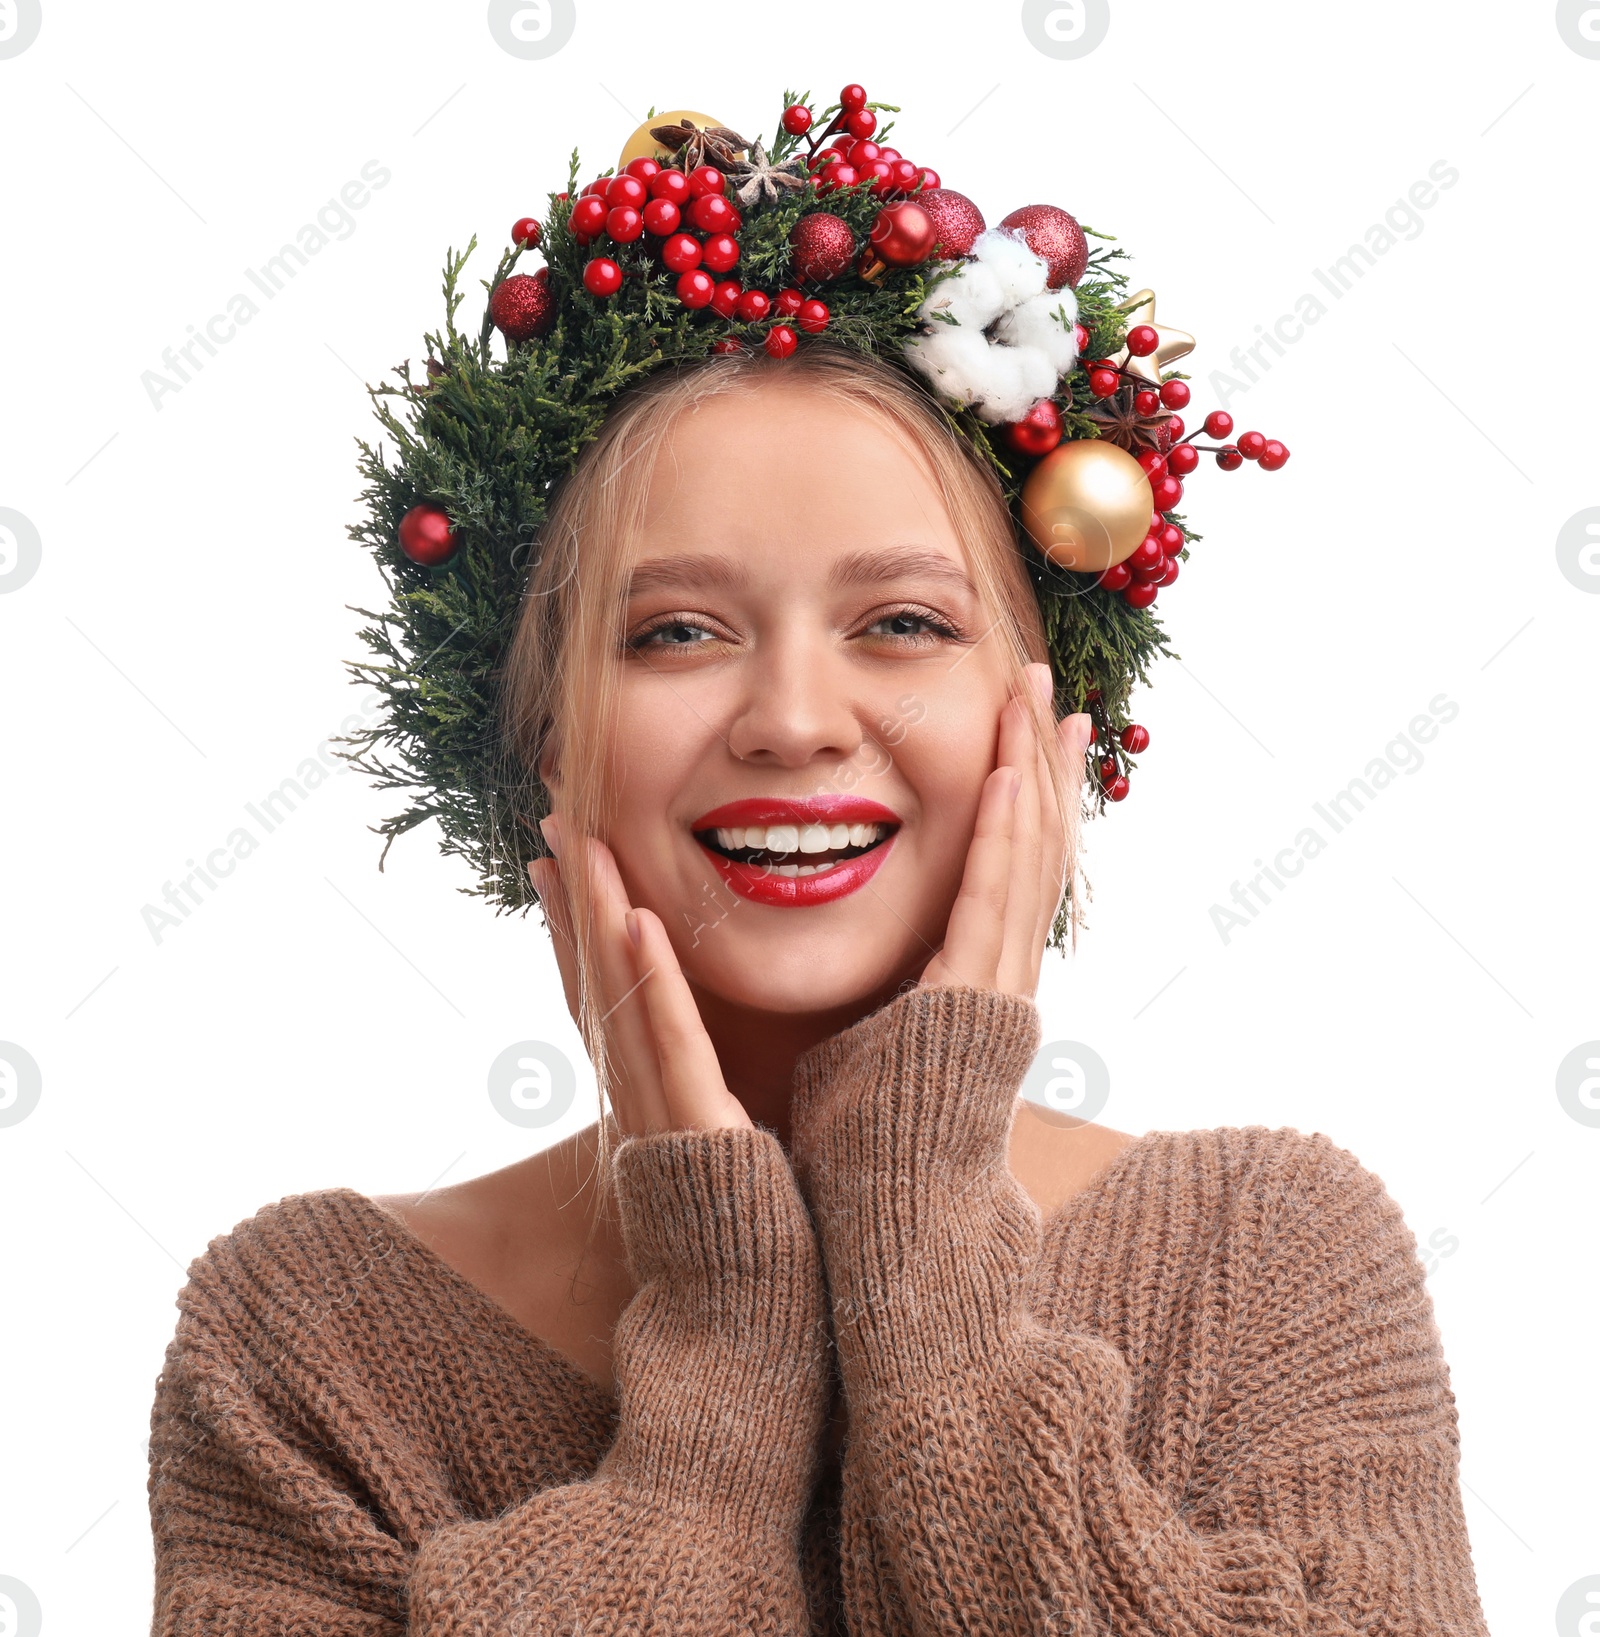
{"points": [[1012, 338]]}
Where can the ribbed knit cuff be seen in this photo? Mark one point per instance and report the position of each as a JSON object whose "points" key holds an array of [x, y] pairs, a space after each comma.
{"points": [[901, 1137], [721, 1355]]}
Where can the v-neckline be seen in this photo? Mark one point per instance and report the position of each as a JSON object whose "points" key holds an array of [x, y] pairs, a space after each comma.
{"points": [[500, 1318]]}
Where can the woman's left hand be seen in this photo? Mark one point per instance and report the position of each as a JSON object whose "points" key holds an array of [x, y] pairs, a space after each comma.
{"points": [[1016, 864]]}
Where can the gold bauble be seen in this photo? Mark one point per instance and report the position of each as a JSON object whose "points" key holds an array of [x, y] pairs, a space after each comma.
{"points": [[1087, 505], [641, 145]]}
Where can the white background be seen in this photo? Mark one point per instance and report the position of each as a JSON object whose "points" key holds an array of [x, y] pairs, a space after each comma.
{"points": [[315, 1023]]}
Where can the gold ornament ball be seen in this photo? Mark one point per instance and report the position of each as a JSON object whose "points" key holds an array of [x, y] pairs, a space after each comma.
{"points": [[641, 145], [1087, 505]]}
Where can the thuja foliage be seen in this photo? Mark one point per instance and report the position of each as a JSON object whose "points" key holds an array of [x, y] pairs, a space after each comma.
{"points": [[486, 431]]}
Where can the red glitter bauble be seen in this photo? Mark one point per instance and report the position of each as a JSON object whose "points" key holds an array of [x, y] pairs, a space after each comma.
{"points": [[956, 220], [1056, 239], [522, 306], [821, 245], [426, 536]]}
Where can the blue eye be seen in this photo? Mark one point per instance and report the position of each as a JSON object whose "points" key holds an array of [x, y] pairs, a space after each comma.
{"points": [[672, 633], [931, 628]]}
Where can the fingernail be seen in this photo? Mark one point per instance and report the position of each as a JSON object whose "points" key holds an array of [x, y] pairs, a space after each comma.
{"points": [[1043, 683], [631, 921], [1085, 728], [1016, 783], [550, 829]]}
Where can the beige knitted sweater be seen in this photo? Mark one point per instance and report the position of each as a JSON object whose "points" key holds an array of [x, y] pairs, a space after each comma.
{"points": [[1204, 1398]]}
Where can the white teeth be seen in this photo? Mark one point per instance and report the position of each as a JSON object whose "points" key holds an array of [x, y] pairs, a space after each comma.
{"points": [[805, 869], [794, 838]]}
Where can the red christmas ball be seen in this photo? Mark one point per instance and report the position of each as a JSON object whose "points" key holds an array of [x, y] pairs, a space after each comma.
{"points": [[1115, 577], [1273, 456], [525, 231], [1056, 239], [956, 220], [1183, 460], [719, 252], [602, 277], [1175, 394], [797, 119], [753, 306], [522, 306], [1080, 339], [1219, 423], [695, 288], [1038, 432], [672, 185], [820, 246], [1143, 340], [426, 536], [781, 341], [1252, 444], [788, 302], [1229, 458], [903, 234], [812, 317], [661, 217], [725, 298], [1134, 739]]}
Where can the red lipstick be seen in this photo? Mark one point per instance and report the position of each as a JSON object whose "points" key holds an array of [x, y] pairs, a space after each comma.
{"points": [[761, 884]]}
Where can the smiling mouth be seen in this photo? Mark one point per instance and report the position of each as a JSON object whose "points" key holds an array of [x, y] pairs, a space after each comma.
{"points": [[794, 850]]}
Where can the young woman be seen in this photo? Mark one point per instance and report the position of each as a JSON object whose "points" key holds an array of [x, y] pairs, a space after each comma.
{"points": [[816, 1333]]}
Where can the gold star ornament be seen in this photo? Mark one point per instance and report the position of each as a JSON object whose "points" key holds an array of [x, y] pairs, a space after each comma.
{"points": [[1174, 344]]}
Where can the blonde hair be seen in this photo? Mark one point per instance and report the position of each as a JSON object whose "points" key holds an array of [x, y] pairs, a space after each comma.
{"points": [[560, 682]]}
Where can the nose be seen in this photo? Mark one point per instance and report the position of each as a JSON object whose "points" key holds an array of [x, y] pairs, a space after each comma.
{"points": [[796, 706]]}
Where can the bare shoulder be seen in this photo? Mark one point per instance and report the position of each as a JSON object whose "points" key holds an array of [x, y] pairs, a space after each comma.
{"points": [[1054, 1157]]}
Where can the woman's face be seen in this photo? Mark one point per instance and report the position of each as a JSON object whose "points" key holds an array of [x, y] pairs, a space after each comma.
{"points": [[807, 666]]}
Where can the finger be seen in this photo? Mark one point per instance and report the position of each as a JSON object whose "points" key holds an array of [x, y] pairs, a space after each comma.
{"points": [[1017, 971], [693, 1090], [971, 953], [546, 878]]}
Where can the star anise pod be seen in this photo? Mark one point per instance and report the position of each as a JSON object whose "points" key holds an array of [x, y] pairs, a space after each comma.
{"points": [[758, 178], [713, 145], [1120, 423]]}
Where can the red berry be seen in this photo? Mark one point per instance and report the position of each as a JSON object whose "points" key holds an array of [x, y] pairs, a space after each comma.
{"points": [[602, 277], [728, 343], [1153, 574], [838, 176], [1103, 383], [1134, 739], [1171, 538], [1140, 594], [1229, 458], [695, 288], [643, 168], [704, 180], [1175, 394], [588, 216], [891, 154], [1251, 445], [1109, 768], [719, 252], [753, 305], [1146, 555], [797, 119], [1115, 577], [781, 341], [725, 299], [1219, 423], [525, 231], [426, 536], [626, 190], [1168, 573], [673, 185], [824, 157], [1145, 400], [681, 251], [1080, 338], [929, 178], [787, 303], [1117, 790], [1273, 456], [661, 217], [852, 98], [905, 174], [863, 122], [812, 317], [599, 185], [864, 152], [1183, 460], [1154, 463], [1175, 427], [711, 213], [1143, 340], [874, 171], [1168, 492], [1038, 432], [624, 223]]}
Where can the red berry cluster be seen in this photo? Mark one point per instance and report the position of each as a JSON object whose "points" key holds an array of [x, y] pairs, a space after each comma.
{"points": [[853, 158], [1133, 739]]}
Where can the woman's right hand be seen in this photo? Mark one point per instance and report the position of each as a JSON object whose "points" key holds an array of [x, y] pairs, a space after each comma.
{"points": [[664, 1070]]}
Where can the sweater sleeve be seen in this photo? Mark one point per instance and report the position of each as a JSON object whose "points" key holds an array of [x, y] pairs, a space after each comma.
{"points": [[988, 1480], [691, 1522]]}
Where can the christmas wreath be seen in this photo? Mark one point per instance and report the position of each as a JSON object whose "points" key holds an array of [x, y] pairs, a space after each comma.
{"points": [[701, 240]]}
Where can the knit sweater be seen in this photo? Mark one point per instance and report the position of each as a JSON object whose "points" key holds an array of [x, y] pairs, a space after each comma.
{"points": [[1204, 1397]]}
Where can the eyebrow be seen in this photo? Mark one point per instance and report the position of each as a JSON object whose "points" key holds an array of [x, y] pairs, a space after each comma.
{"points": [[855, 568]]}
